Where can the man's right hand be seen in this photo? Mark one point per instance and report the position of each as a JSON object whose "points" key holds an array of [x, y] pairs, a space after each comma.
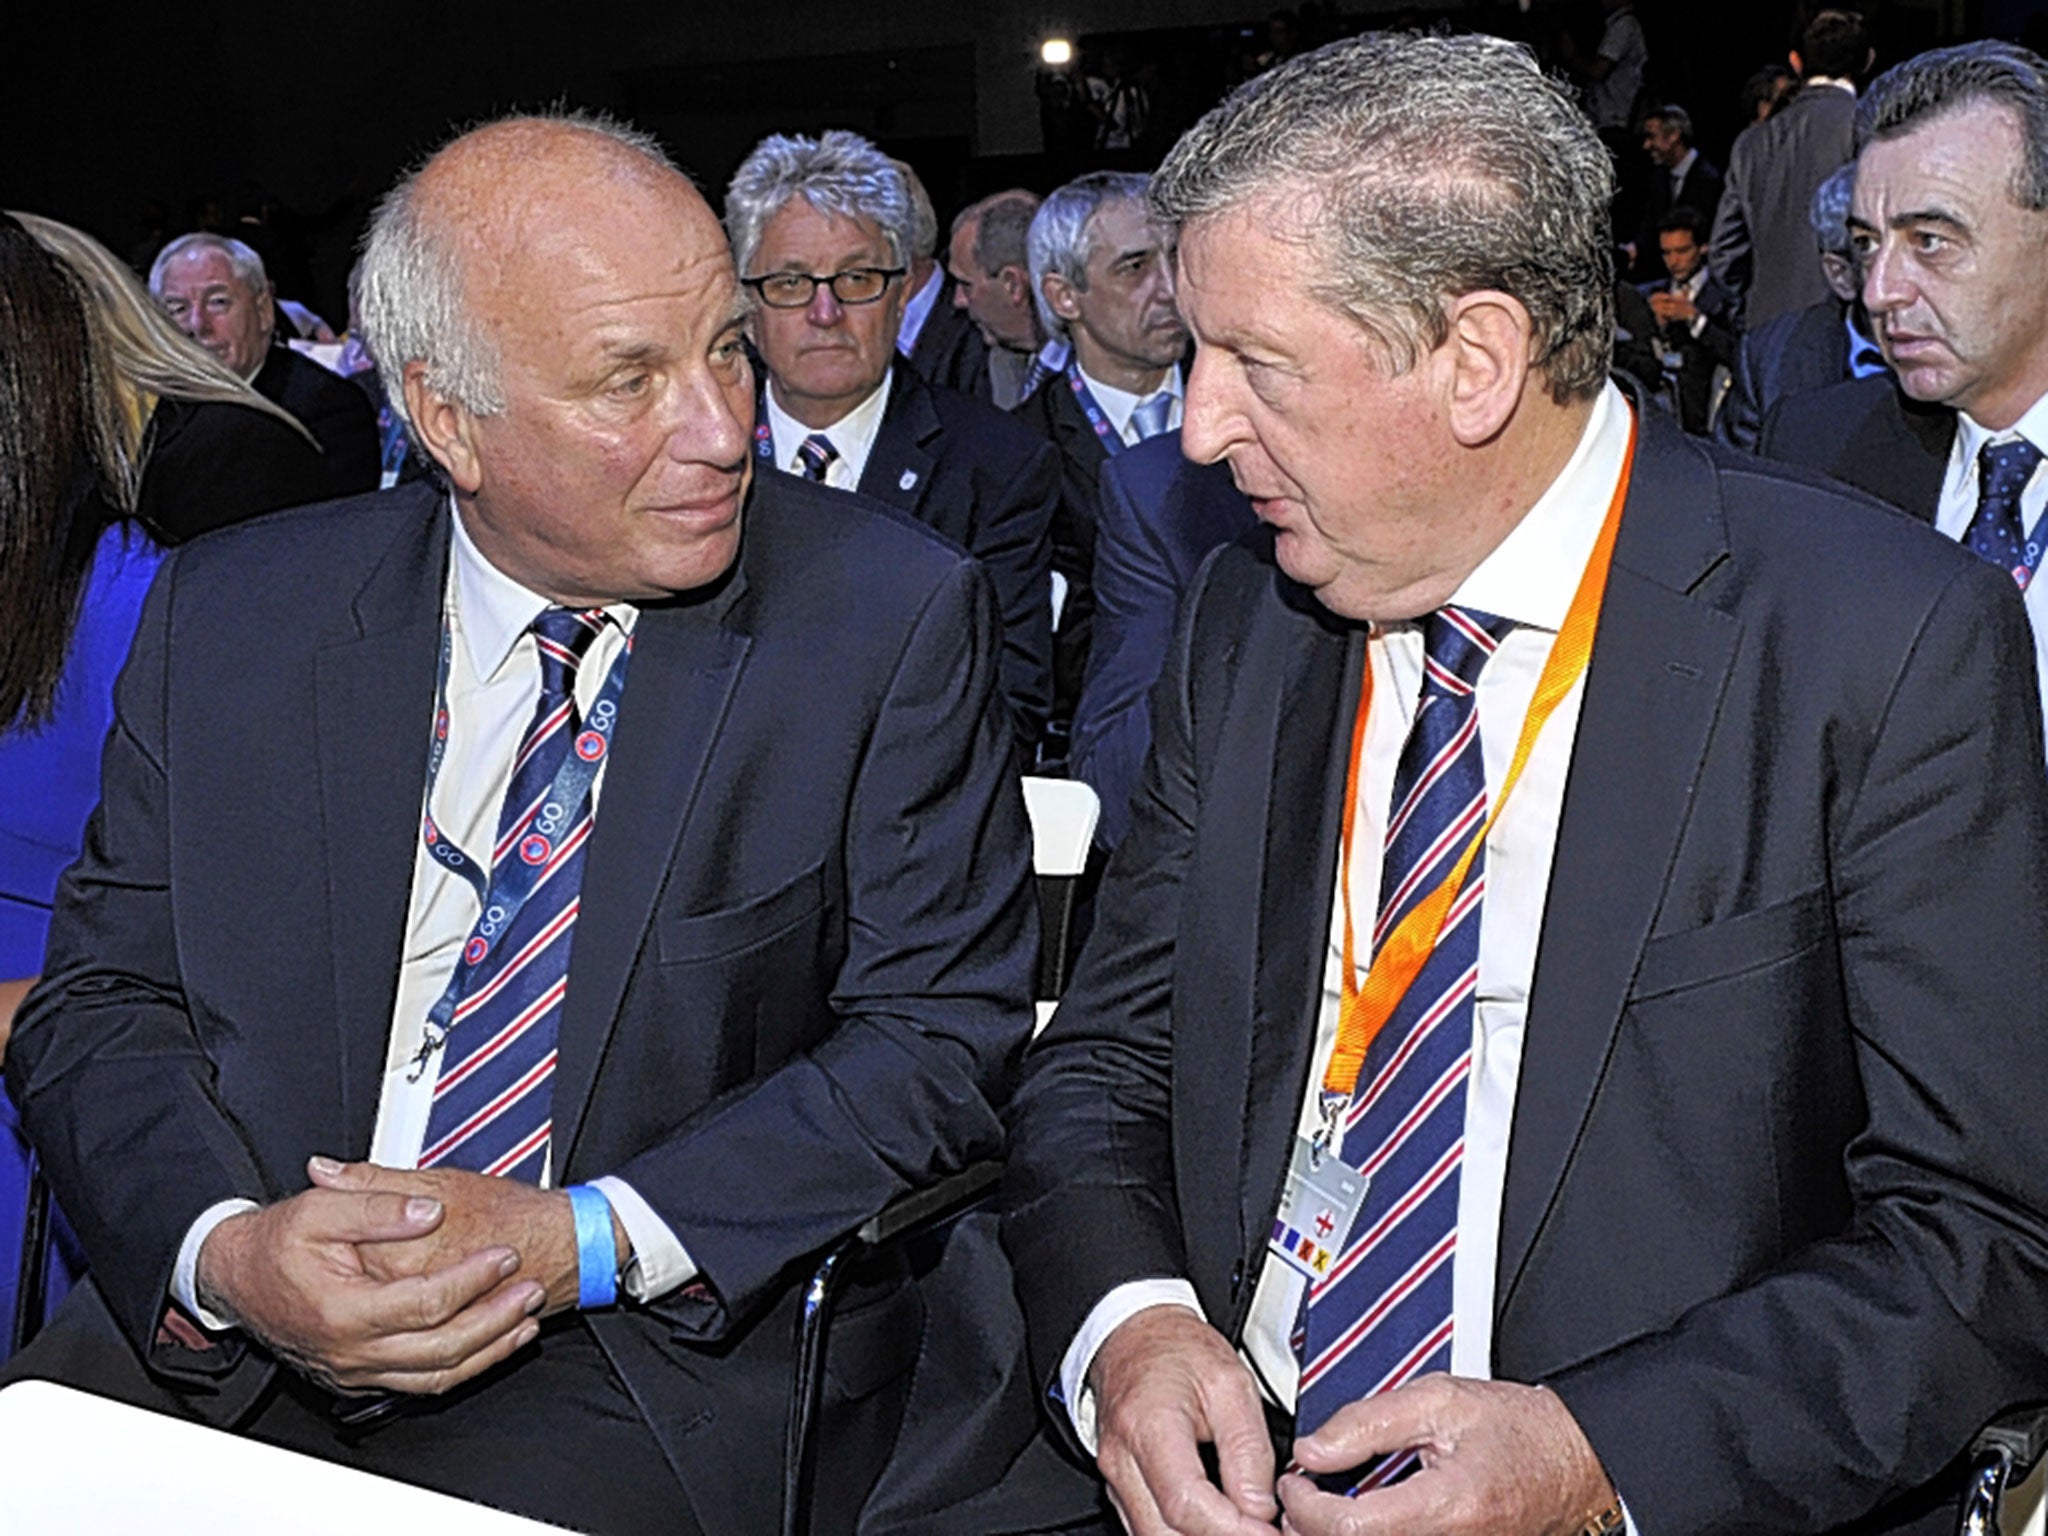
{"points": [[290, 1275], [1165, 1384]]}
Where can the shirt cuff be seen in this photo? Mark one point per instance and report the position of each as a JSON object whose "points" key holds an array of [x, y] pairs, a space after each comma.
{"points": [[1628, 1521], [1110, 1314], [660, 1263], [185, 1273]]}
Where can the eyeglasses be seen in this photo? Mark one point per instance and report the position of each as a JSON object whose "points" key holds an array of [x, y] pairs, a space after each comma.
{"points": [[795, 290]]}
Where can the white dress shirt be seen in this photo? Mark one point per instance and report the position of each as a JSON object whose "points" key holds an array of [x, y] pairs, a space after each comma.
{"points": [[1119, 404], [917, 309], [1958, 505], [853, 435], [493, 683], [1530, 578]]}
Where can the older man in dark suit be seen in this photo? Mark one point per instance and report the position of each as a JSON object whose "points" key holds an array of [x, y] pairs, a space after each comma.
{"points": [[523, 929], [1549, 1048], [822, 229]]}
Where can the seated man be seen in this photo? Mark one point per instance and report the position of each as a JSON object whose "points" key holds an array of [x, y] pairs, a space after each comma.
{"points": [[215, 288], [310, 989], [823, 230], [1694, 333]]}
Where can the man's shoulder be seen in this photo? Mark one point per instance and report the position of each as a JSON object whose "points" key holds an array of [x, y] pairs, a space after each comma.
{"points": [[298, 383], [994, 438], [813, 541]]}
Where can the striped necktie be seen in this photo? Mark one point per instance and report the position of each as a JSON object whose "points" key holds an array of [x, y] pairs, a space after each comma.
{"points": [[1382, 1316], [1997, 532], [493, 1100], [815, 455]]}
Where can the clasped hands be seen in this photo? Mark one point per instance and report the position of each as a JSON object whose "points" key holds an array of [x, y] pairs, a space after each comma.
{"points": [[1497, 1457], [393, 1280]]}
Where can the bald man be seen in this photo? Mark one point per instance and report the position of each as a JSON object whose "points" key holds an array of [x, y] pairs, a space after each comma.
{"points": [[487, 1147]]}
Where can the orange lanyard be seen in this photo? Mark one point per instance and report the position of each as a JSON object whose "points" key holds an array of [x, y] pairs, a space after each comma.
{"points": [[1366, 1009]]}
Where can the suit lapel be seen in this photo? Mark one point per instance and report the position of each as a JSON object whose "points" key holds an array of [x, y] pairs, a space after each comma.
{"points": [[899, 467], [687, 658], [1660, 664], [373, 710]]}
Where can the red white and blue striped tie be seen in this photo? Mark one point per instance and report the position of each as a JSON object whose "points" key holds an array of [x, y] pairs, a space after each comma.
{"points": [[1382, 1315], [493, 1100]]}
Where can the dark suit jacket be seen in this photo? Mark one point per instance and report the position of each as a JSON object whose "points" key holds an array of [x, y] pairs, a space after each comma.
{"points": [[1714, 347], [1700, 188], [1763, 248], [212, 464], [1805, 349], [950, 352], [1773, 1223], [802, 971], [1052, 411], [1865, 433], [1160, 515], [966, 470]]}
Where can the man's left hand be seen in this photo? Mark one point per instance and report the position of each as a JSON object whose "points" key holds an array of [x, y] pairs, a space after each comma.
{"points": [[482, 1212], [1497, 1458], [1669, 306]]}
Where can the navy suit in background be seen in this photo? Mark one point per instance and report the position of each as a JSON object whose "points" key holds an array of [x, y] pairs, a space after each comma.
{"points": [[968, 471], [1159, 515], [1804, 349], [1866, 433]]}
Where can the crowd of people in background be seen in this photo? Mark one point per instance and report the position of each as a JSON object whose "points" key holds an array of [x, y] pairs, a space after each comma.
{"points": [[1012, 371]]}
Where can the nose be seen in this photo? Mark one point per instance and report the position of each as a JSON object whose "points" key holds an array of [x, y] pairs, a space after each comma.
{"points": [[1885, 285], [1207, 412], [824, 308]]}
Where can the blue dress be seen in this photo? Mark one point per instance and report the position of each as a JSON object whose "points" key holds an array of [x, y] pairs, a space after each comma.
{"points": [[52, 774]]}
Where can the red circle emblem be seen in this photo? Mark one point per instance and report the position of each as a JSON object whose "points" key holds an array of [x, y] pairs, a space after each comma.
{"points": [[590, 746], [476, 949], [535, 849], [441, 724], [428, 827]]}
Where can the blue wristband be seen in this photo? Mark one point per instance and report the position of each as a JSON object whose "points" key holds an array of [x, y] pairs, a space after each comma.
{"points": [[597, 1252]]}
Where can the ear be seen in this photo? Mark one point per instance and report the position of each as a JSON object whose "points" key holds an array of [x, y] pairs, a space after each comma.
{"points": [[266, 312], [1017, 284], [446, 428], [1489, 353], [1059, 297], [1840, 273]]}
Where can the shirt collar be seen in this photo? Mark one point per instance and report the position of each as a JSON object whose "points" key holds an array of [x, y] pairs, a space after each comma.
{"points": [[1117, 404], [917, 309], [1678, 171], [853, 434], [489, 610], [1972, 435], [1534, 572]]}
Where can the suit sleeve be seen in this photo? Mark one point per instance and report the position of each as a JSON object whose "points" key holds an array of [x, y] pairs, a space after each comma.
{"points": [[1853, 1370], [1135, 599], [1730, 256], [1738, 425], [104, 1063], [1014, 542], [1088, 1192], [932, 999]]}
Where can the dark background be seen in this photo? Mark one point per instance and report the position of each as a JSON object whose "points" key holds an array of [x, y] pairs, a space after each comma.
{"points": [[317, 106]]}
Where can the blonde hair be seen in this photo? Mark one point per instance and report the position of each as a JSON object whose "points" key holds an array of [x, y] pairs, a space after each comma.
{"points": [[139, 348]]}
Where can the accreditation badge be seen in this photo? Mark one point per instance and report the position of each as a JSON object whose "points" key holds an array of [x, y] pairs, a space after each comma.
{"points": [[1317, 1206]]}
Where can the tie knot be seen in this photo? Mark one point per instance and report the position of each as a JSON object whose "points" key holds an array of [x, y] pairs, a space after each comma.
{"points": [[1151, 414], [2003, 469], [563, 636], [816, 454], [1456, 643]]}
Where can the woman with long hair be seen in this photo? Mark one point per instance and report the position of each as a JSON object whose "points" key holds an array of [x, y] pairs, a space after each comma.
{"points": [[87, 362]]}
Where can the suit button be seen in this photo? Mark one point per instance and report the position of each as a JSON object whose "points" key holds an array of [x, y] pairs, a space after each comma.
{"points": [[1237, 1277]]}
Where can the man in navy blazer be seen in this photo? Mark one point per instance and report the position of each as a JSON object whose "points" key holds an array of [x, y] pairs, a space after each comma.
{"points": [[809, 218], [1714, 1171], [1158, 519], [802, 952]]}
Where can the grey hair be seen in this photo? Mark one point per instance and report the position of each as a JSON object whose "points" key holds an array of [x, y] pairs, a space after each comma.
{"points": [[1677, 117], [247, 265], [1828, 214], [1058, 239], [1002, 230], [838, 173], [924, 219], [410, 282], [1942, 80], [1423, 167]]}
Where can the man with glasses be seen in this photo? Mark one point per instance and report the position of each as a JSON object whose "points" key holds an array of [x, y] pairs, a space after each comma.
{"points": [[821, 230]]}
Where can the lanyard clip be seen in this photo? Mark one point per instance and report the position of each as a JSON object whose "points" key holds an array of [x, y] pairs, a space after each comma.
{"points": [[433, 1042], [1333, 1107]]}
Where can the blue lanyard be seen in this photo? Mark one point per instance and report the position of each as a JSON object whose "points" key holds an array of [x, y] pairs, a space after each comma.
{"points": [[1112, 440], [764, 440], [510, 882]]}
